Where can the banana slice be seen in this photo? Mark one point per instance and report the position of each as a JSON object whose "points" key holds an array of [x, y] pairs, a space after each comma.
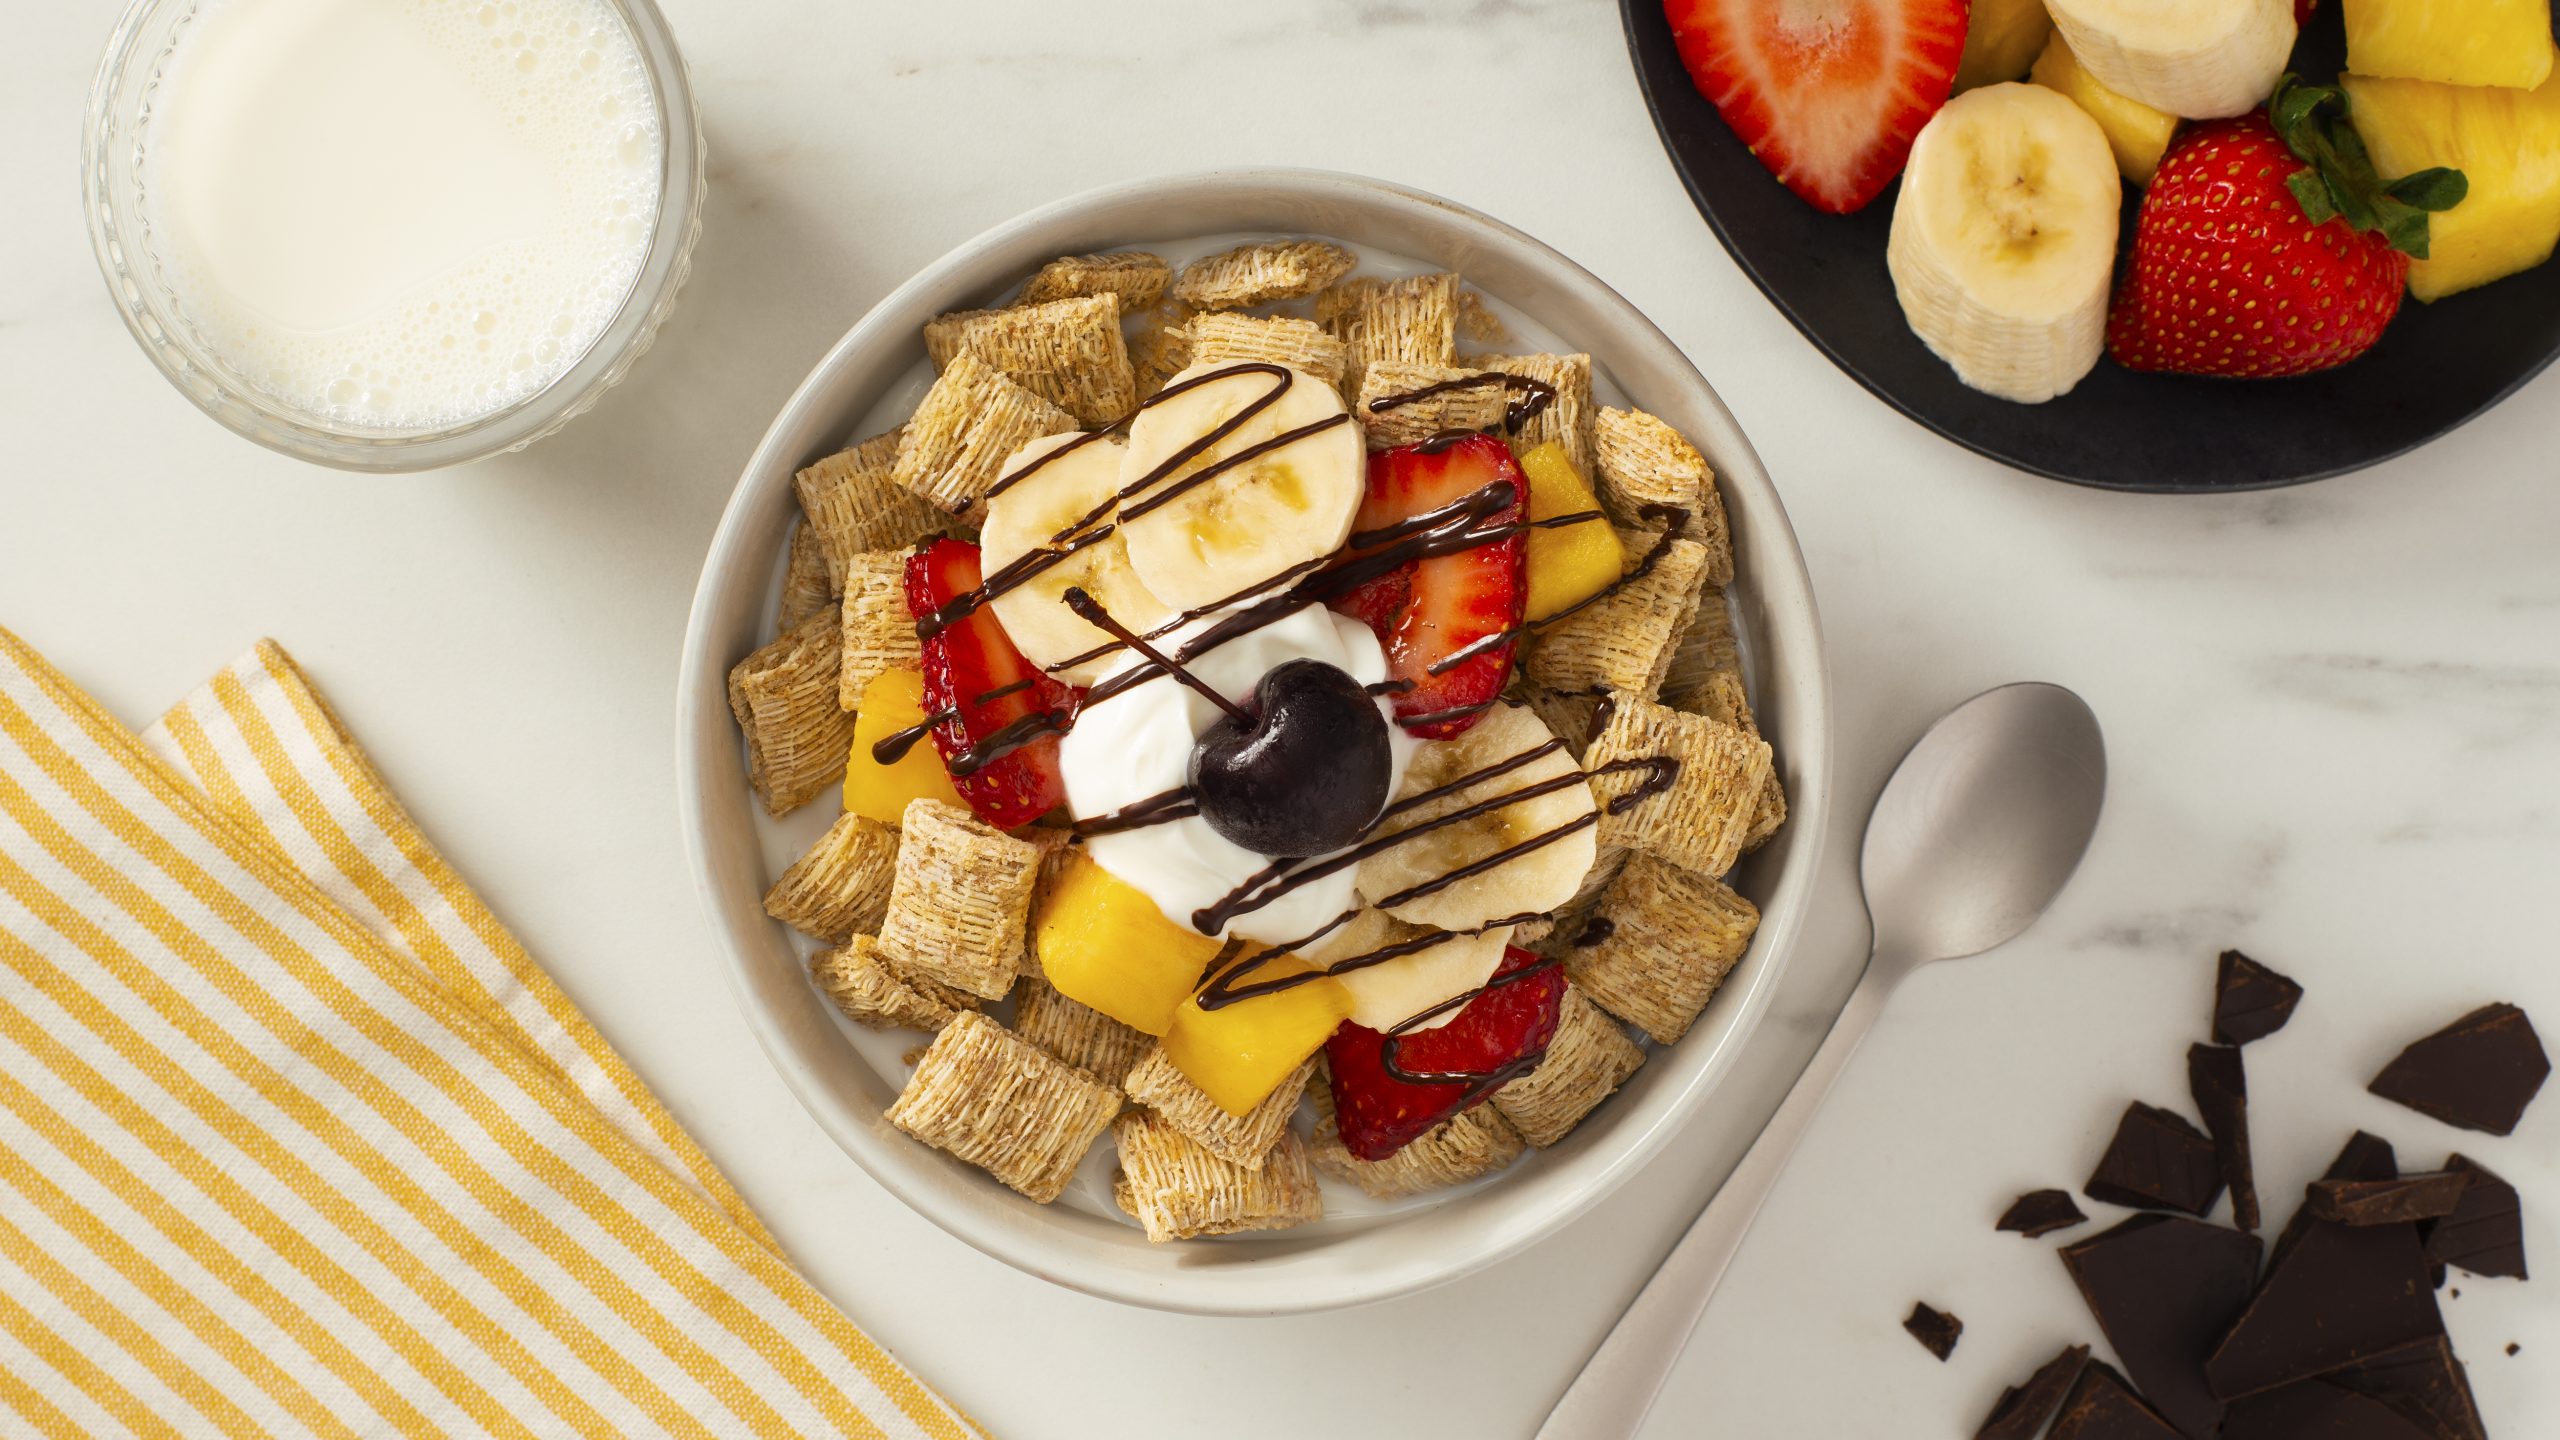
{"points": [[1024, 516], [1245, 526], [1390, 992], [1531, 882], [2003, 239], [2197, 58]]}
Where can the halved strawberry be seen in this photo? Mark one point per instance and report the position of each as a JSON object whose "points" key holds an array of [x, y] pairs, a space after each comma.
{"points": [[1000, 716], [1829, 94], [1380, 1103], [1429, 610]]}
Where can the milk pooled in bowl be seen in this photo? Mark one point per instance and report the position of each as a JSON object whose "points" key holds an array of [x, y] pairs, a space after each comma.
{"points": [[401, 214]]}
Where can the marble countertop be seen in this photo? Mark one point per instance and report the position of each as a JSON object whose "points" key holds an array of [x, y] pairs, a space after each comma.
{"points": [[2334, 711]]}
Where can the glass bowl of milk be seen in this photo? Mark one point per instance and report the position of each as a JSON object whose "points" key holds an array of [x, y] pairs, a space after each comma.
{"points": [[393, 234]]}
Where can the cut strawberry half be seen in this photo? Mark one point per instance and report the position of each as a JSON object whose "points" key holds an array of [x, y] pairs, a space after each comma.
{"points": [[1450, 623], [997, 716], [1829, 94], [1390, 1090]]}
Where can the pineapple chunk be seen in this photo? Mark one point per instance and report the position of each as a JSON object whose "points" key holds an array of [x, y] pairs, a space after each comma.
{"points": [[1571, 563], [2001, 39], [1241, 1052], [1105, 945], [2505, 142], [2137, 133], [893, 701], [2456, 42]]}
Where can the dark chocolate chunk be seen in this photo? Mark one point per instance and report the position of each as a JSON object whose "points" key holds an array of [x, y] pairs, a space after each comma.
{"points": [[2514, 1349], [2480, 1072], [2424, 1384], [2317, 1410], [2250, 1001], [2041, 1212], [2484, 1235], [2103, 1407], [2341, 1295], [2023, 1409], [2364, 1157], [1934, 1329], [2164, 1288], [2157, 1161], [2403, 1201], [2220, 1086]]}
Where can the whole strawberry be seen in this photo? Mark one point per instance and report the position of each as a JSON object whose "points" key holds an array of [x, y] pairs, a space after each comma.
{"points": [[2266, 245]]}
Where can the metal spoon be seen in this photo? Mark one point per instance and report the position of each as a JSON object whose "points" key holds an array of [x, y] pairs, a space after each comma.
{"points": [[1972, 838]]}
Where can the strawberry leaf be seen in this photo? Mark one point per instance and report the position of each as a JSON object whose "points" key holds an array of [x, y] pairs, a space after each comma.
{"points": [[2436, 189], [2340, 183]]}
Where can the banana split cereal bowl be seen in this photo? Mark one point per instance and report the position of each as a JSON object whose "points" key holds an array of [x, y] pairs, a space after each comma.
{"points": [[992, 928]]}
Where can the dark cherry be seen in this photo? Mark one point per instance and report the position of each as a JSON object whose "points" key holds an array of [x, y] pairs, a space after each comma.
{"points": [[1302, 771]]}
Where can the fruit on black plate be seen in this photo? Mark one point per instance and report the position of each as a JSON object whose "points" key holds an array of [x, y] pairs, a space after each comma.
{"points": [[1303, 772]]}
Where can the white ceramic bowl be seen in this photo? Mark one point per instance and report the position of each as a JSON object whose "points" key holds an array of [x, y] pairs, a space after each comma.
{"points": [[1339, 1261]]}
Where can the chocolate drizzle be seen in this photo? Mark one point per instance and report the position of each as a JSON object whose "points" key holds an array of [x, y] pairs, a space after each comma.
{"points": [[1534, 397], [1479, 1082], [1162, 808]]}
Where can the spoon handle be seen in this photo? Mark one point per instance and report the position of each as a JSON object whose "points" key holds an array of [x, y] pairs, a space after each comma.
{"points": [[1617, 1386]]}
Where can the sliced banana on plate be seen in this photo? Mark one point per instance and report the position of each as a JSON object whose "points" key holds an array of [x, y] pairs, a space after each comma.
{"points": [[1390, 992], [1026, 516], [1535, 878], [1250, 523], [2197, 58], [2004, 238]]}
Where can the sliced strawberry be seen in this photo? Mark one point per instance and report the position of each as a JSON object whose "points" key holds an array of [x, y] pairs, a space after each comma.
{"points": [[1380, 1101], [999, 715], [1429, 610], [1829, 94]]}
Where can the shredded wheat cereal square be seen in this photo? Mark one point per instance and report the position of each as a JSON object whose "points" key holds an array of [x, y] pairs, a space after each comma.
{"points": [[1261, 272], [1674, 935], [987, 1096], [1469, 1144], [1068, 352], [1158, 1084], [1586, 1063], [1566, 419], [1178, 1189], [796, 745], [960, 903], [841, 885], [1414, 319], [1702, 816], [874, 992], [807, 588], [1640, 461], [1076, 1033], [879, 634], [1568, 714], [1707, 650], [1160, 346], [1625, 641], [1477, 319], [954, 447], [1389, 418], [854, 506], [1057, 848], [1227, 338], [1137, 278]]}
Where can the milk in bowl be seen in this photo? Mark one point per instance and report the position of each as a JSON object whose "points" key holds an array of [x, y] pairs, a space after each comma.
{"points": [[400, 216]]}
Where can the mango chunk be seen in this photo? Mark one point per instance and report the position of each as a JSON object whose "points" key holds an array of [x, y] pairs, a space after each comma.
{"points": [[2138, 134], [2453, 42], [1567, 564], [2505, 142], [893, 701], [1104, 944], [1240, 1052]]}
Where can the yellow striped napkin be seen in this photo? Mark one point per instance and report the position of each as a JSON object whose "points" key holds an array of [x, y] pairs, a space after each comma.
{"points": [[296, 1140]]}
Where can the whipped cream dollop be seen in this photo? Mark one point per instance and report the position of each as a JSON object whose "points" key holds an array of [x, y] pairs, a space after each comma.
{"points": [[1137, 746]]}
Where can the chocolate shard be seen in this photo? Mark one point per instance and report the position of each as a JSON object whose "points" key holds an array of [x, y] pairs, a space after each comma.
{"points": [[2250, 1001], [2041, 1212], [2342, 1295], [2157, 1161], [2484, 1235], [1936, 1330], [2103, 1407], [2164, 1288], [2220, 1085], [2479, 1073], [2023, 1409], [2402, 1201], [2424, 1384], [2317, 1410], [2364, 1157]]}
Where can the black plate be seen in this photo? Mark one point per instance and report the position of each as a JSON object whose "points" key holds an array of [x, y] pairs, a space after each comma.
{"points": [[2438, 366]]}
